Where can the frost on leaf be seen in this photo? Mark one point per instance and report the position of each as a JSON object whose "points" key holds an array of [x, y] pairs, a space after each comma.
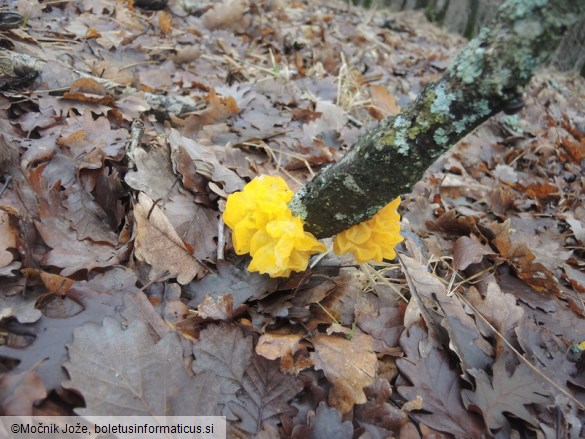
{"points": [[504, 393]]}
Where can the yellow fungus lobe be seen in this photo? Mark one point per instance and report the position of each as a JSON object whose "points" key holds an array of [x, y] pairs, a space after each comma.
{"points": [[263, 225], [374, 239]]}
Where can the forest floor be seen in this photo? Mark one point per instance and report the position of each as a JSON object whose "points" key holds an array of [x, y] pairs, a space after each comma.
{"points": [[120, 290]]}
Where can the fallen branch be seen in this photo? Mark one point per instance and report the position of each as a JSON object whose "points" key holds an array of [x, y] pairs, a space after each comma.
{"points": [[487, 77]]}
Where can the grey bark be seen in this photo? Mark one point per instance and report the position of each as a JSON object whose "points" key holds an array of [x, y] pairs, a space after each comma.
{"points": [[488, 76]]}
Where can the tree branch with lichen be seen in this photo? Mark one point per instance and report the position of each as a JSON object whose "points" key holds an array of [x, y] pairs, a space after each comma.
{"points": [[487, 77]]}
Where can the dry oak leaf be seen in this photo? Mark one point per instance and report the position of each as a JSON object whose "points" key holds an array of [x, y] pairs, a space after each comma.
{"points": [[18, 393], [230, 279], [220, 108], [224, 14], [123, 372], [439, 385], [498, 308], [383, 323], [273, 346], [504, 394], [349, 365], [158, 244], [224, 351], [467, 251], [522, 259], [220, 308], [327, 422], [23, 310], [165, 22], [90, 98], [83, 134], [446, 317], [7, 240], [265, 395], [383, 103], [154, 172], [56, 284], [549, 353]]}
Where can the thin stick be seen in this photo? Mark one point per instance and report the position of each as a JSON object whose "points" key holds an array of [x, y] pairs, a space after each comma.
{"points": [[220, 238]]}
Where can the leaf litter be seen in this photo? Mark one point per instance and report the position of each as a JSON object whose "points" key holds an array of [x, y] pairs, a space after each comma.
{"points": [[118, 279]]}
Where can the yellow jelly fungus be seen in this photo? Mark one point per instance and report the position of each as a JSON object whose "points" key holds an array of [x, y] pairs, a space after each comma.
{"points": [[374, 239], [264, 226]]}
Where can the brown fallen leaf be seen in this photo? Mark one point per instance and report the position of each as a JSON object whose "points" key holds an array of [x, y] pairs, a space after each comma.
{"points": [[520, 256], [349, 365], [55, 284], [83, 134], [88, 219], [273, 346], [71, 254], [383, 323], [224, 14], [499, 309], [199, 164], [165, 22], [575, 277], [220, 108], [379, 410], [265, 395], [575, 221], [230, 279], [220, 308], [383, 103], [467, 251], [123, 372], [504, 393], [226, 352], [325, 423], [7, 240], [445, 316], [549, 353], [170, 306], [158, 244], [575, 149], [439, 385], [21, 309], [154, 172], [19, 391]]}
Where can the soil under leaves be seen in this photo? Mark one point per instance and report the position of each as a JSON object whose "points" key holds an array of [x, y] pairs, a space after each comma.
{"points": [[118, 279]]}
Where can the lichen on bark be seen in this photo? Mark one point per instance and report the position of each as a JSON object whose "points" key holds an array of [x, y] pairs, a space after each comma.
{"points": [[491, 71]]}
